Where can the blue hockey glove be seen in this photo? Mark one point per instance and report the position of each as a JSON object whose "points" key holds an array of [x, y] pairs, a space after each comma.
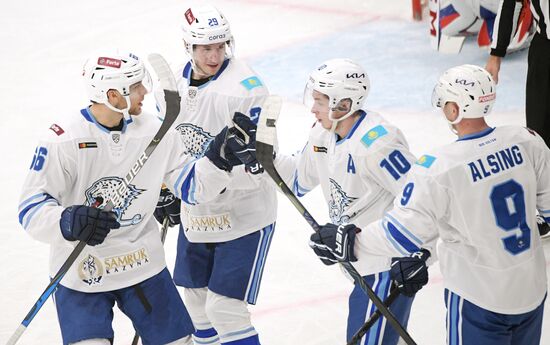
{"points": [[216, 152], [333, 243], [410, 272], [241, 143], [168, 206], [87, 224]]}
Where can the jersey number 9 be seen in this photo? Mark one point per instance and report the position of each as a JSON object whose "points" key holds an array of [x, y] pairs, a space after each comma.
{"points": [[508, 202]]}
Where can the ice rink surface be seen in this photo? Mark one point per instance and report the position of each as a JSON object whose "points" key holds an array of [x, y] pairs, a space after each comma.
{"points": [[44, 44]]}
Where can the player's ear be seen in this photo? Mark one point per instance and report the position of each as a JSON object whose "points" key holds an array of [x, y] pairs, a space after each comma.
{"points": [[113, 96]]}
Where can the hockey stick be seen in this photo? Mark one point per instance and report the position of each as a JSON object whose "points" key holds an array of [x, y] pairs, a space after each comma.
{"points": [[163, 232], [394, 293], [168, 83], [265, 138]]}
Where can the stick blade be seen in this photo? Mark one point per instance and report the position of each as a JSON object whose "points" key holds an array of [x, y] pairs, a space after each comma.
{"points": [[163, 71], [267, 132]]}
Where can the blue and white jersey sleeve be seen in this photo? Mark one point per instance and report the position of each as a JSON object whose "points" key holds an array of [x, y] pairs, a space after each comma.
{"points": [[299, 170], [412, 223], [49, 176], [389, 159], [192, 180]]}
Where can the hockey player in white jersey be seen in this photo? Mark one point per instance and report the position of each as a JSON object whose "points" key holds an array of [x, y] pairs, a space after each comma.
{"points": [[360, 160], [222, 244], [77, 168], [478, 195]]}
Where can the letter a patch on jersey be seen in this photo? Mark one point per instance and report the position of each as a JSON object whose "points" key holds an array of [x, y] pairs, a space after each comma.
{"points": [[373, 134], [351, 165], [426, 161], [252, 82]]}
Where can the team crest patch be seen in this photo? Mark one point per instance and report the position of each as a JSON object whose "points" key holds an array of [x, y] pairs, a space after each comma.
{"points": [[252, 82], [373, 134], [339, 203], [56, 129], [90, 271], [106, 189], [319, 149], [115, 137], [426, 161], [195, 138], [87, 145]]}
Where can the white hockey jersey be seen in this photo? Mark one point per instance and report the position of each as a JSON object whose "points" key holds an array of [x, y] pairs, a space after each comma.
{"points": [[479, 195], [249, 203], [82, 163], [359, 174]]}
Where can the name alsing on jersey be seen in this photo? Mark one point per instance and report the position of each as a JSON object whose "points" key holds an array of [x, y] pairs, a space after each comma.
{"points": [[495, 163]]}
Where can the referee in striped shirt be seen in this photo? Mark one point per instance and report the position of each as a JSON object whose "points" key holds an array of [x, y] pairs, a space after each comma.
{"points": [[537, 98]]}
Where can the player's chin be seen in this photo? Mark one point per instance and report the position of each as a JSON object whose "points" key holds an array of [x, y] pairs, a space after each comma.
{"points": [[135, 110]]}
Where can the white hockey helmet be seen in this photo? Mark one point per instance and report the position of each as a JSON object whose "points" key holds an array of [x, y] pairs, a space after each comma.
{"points": [[204, 25], [339, 79], [113, 71], [471, 87]]}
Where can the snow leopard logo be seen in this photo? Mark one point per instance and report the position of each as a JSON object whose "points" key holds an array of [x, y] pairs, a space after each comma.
{"points": [[339, 203], [104, 190], [91, 270], [196, 139]]}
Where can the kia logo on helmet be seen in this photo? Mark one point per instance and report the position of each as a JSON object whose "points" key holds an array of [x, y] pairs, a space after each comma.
{"points": [[355, 75], [216, 37], [464, 82]]}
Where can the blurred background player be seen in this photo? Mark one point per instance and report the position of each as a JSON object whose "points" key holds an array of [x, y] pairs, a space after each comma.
{"points": [[360, 161], [475, 195], [452, 18], [76, 170], [223, 243]]}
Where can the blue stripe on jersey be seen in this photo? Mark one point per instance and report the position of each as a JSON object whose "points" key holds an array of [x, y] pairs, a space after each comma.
{"points": [[544, 211], [28, 205], [403, 229], [205, 333], [29, 200], [392, 241], [244, 331], [354, 128], [188, 69], [188, 186], [296, 188], [206, 336], [177, 185], [401, 239], [265, 241], [89, 117], [476, 135]]}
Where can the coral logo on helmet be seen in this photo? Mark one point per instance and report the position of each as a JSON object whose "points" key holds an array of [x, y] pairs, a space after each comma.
{"points": [[464, 82], [109, 62], [216, 37], [487, 98], [189, 16], [355, 75]]}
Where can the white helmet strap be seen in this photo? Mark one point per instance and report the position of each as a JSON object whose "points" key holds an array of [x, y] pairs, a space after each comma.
{"points": [[125, 112]]}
